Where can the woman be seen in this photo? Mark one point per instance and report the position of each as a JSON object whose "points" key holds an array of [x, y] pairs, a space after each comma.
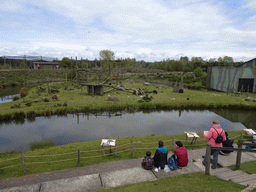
{"points": [[182, 154], [212, 135]]}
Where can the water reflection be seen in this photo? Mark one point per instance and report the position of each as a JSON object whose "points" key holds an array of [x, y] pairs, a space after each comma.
{"points": [[9, 98], [81, 127]]}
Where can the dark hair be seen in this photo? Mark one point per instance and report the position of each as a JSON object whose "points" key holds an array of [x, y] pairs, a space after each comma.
{"points": [[148, 153], [161, 143], [226, 133], [179, 144]]}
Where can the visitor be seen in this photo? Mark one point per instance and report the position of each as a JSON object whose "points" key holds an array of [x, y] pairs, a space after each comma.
{"points": [[182, 154], [147, 162], [227, 143], [212, 136], [160, 157]]}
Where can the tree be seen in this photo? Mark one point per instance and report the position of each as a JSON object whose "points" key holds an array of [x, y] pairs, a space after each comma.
{"points": [[228, 60], [65, 62], [198, 72], [107, 55], [184, 60]]}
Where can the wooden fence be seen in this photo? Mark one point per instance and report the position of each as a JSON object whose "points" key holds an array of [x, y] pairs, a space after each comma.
{"points": [[238, 157]]}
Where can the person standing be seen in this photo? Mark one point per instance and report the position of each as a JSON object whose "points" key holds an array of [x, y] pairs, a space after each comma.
{"points": [[182, 154], [212, 135], [160, 157]]}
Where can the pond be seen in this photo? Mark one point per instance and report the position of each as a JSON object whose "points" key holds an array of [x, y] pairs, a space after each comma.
{"points": [[87, 127], [8, 98]]}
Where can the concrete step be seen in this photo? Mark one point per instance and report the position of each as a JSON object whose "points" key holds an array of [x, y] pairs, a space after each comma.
{"points": [[126, 177], [244, 178], [248, 183], [231, 175]]}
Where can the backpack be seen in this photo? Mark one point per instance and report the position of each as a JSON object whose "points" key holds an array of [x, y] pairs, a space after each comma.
{"points": [[172, 162], [219, 138]]}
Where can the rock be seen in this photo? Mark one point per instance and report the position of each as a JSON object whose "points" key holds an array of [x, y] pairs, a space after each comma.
{"points": [[146, 83], [249, 99], [113, 98]]}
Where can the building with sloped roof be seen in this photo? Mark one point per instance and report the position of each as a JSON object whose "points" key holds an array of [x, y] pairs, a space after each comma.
{"points": [[241, 78]]}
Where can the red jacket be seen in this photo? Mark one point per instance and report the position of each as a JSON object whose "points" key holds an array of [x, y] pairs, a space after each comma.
{"points": [[182, 156]]}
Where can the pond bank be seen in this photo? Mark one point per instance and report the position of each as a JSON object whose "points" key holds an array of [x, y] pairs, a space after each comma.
{"points": [[78, 100]]}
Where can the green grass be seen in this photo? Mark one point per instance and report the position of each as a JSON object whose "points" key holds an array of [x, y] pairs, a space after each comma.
{"points": [[146, 142], [249, 167], [187, 182], [165, 99]]}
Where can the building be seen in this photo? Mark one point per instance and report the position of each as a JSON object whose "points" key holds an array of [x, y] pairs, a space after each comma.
{"points": [[241, 78], [46, 65]]}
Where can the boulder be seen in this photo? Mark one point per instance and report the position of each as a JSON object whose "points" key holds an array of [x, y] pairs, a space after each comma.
{"points": [[113, 98], [249, 99]]}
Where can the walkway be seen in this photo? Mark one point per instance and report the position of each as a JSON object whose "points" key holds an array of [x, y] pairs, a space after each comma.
{"points": [[120, 173]]}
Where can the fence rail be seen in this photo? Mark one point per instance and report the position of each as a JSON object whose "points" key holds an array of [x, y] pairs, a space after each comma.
{"points": [[238, 157], [102, 150]]}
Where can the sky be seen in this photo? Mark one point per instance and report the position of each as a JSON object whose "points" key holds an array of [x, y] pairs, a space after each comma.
{"points": [[149, 30]]}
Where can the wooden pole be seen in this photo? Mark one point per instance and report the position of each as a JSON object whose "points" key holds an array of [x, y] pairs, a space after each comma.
{"points": [[242, 136], [116, 150], [131, 148], [78, 160], [23, 163], [239, 154], [173, 143], [103, 151], [207, 156]]}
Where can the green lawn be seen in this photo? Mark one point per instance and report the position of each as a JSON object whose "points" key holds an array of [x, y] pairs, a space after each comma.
{"points": [[188, 182], [60, 162], [165, 99]]}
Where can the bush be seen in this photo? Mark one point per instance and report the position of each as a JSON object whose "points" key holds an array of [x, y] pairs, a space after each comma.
{"points": [[31, 115], [23, 92], [19, 115], [15, 98], [46, 100]]}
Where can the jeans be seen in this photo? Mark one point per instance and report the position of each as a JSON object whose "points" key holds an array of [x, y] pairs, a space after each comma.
{"points": [[215, 154]]}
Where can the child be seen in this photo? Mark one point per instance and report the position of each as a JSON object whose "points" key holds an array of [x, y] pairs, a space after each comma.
{"points": [[147, 162]]}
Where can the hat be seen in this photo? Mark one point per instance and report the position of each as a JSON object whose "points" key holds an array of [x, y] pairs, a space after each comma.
{"points": [[216, 122]]}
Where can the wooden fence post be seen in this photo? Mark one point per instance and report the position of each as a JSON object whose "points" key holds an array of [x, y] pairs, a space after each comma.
{"points": [[207, 159], [78, 153], [242, 136], [23, 163], [239, 154], [173, 143], [131, 148], [116, 150]]}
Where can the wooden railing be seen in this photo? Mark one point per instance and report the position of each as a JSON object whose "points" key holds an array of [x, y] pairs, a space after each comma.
{"points": [[238, 157]]}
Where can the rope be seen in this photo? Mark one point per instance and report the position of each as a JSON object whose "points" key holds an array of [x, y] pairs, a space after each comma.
{"points": [[9, 159], [10, 166], [51, 155], [51, 161]]}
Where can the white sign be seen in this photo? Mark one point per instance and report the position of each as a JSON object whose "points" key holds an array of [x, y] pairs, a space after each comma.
{"points": [[108, 142]]}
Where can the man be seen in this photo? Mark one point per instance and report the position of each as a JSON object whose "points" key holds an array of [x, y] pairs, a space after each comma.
{"points": [[160, 157]]}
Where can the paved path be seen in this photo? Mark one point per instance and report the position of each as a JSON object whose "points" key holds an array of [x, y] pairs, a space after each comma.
{"points": [[120, 173]]}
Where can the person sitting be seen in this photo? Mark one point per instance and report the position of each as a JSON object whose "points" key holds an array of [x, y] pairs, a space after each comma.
{"points": [[147, 162], [182, 154], [160, 157], [227, 143]]}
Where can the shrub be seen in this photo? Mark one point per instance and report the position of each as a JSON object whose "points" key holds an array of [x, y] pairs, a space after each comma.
{"points": [[31, 115], [7, 117], [19, 115], [23, 92], [46, 100], [15, 98]]}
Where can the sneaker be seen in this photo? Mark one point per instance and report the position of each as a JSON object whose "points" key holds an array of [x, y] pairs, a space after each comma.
{"points": [[212, 167]]}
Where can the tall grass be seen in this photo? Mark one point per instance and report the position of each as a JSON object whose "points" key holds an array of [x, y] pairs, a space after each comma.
{"points": [[41, 144]]}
